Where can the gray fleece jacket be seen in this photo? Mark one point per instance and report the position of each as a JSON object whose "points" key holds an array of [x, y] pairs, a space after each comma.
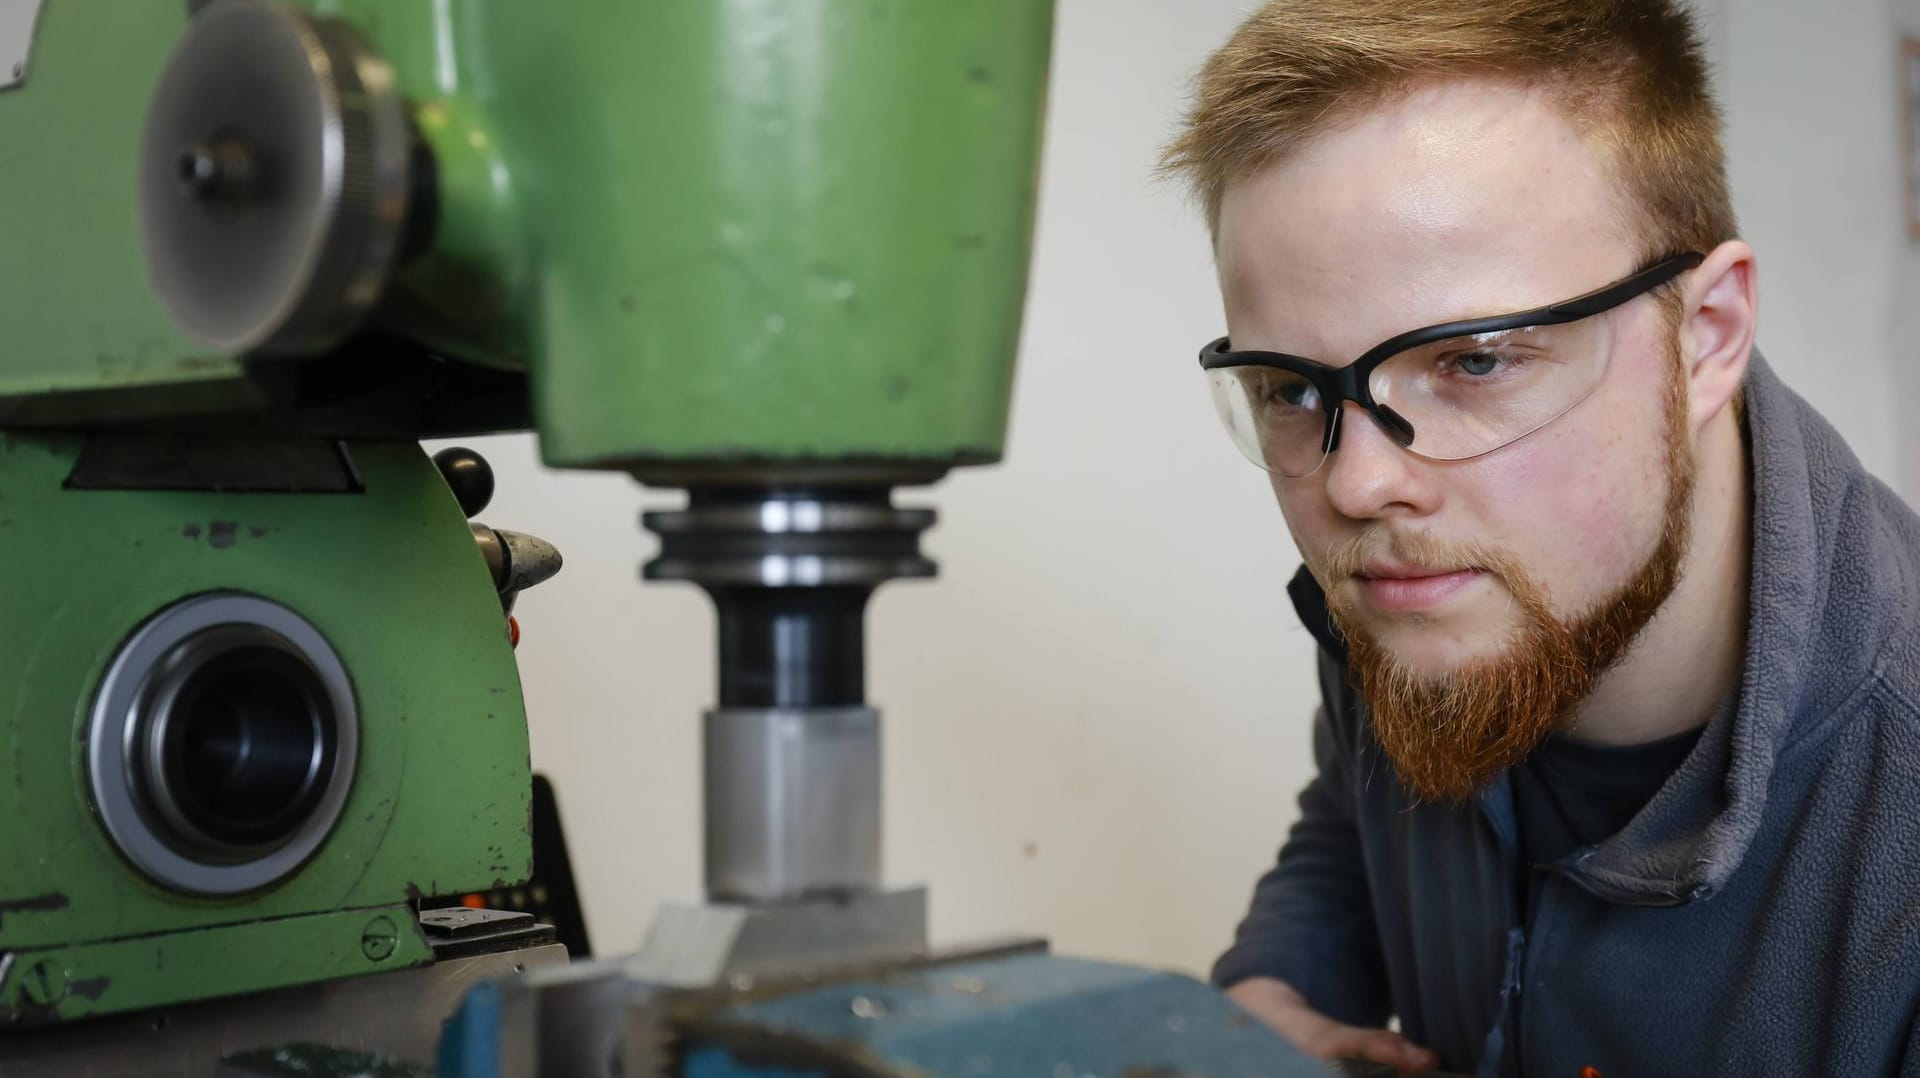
{"points": [[1760, 916]]}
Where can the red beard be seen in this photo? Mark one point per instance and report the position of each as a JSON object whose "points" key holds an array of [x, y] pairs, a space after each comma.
{"points": [[1448, 736]]}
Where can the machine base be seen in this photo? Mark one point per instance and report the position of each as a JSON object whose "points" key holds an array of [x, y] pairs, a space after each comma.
{"points": [[397, 1015]]}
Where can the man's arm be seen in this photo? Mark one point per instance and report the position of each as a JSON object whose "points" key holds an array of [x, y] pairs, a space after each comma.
{"points": [[1306, 959], [1311, 921], [1279, 1006]]}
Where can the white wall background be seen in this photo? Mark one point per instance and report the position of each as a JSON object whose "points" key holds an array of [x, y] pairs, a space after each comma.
{"points": [[1814, 148], [1905, 298], [1097, 718]]}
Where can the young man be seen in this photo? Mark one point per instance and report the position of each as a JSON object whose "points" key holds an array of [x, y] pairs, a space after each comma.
{"points": [[1619, 758]]}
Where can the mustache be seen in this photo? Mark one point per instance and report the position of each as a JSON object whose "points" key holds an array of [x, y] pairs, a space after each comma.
{"points": [[1417, 550]]}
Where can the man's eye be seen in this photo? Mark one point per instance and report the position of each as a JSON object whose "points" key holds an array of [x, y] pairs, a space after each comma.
{"points": [[1294, 393], [1480, 364]]}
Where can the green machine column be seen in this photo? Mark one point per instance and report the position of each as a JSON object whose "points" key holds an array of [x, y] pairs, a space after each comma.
{"points": [[810, 232], [751, 230]]}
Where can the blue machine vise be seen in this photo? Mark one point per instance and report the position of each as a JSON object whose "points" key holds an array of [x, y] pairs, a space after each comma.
{"points": [[1025, 1016]]}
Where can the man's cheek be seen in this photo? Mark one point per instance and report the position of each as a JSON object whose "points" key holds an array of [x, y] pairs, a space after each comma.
{"points": [[1563, 519], [1309, 522]]}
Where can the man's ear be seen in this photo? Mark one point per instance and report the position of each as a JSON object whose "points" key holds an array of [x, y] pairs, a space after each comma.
{"points": [[1719, 314]]}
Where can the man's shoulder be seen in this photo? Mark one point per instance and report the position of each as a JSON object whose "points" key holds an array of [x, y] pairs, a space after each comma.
{"points": [[1875, 610], [1835, 594], [1851, 751]]}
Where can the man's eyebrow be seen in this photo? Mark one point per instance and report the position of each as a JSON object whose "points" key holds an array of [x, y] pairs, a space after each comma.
{"points": [[1488, 311], [1344, 360]]}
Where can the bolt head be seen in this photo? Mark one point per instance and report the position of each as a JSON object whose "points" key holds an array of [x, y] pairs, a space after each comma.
{"points": [[45, 983], [379, 939]]}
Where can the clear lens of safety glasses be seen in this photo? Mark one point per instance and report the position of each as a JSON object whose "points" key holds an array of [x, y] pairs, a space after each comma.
{"points": [[1465, 396], [1462, 396], [1275, 416]]}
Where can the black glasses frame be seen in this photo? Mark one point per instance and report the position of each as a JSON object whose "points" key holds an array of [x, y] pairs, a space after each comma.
{"points": [[1338, 385]]}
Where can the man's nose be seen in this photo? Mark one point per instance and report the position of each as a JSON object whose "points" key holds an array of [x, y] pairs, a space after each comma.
{"points": [[1369, 476]]}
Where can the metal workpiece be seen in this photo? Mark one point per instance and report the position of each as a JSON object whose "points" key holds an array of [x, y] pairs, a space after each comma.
{"points": [[790, 573], [792, 803], [274, 179], [222, 744], [584, 1020], [715, 943]]}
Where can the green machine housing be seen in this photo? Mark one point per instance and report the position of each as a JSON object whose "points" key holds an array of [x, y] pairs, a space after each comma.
{"points": [[260, 696]]}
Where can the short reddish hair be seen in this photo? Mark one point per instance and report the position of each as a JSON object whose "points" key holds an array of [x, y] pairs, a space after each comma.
{"points": [[1630, 71]]}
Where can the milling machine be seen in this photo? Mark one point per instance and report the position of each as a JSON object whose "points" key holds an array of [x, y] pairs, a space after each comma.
{"points": [[264, 707]]}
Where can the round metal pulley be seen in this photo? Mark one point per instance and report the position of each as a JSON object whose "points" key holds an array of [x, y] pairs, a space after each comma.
{"points": [[273, 179]]}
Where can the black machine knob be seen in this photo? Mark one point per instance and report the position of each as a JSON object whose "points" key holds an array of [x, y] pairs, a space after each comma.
{"points": [[516, 560], [468, 475]]}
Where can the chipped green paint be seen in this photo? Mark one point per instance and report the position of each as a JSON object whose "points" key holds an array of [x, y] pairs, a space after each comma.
{"points": [[390, 576]]}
